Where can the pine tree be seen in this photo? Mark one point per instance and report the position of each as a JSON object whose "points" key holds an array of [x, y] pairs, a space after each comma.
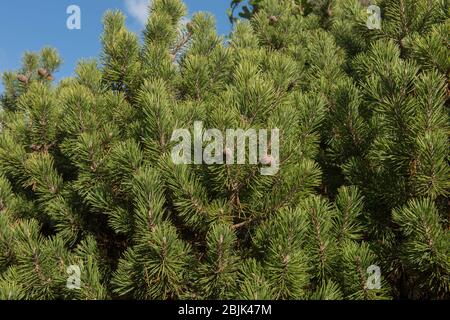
{"points": [[87, 178]]}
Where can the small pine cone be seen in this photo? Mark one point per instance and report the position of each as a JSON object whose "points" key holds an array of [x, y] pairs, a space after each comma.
{"points": [[190, 27], [273, 19], [50, 77], [35, 147], [227, 152], [43, 72], [329, 12], [268, 159], [22, 78]]}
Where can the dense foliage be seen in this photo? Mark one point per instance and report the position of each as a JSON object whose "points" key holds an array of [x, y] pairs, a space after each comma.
{"points": [[86, 176]]}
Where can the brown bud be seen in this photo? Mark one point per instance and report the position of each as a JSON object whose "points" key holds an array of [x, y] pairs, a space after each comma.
{"points": [[42, 72], [22, 78], [35, 147], [329, 12], [268, 159], [273, 19], [227, 152], [50, 77]]}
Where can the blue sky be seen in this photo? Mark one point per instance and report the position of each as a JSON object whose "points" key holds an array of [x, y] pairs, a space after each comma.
{"points": [[29, 25]]}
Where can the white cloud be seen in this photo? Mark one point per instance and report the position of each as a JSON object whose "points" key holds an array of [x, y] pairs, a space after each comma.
{"points": [[138, 9]]}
